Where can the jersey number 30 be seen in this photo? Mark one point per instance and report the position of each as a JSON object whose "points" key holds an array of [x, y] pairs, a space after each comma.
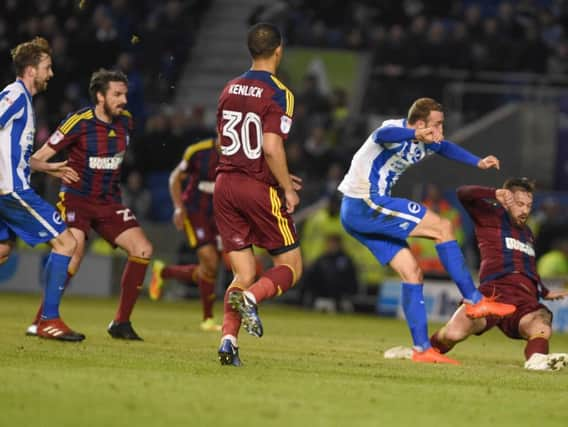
{"points": [[234, 118]]}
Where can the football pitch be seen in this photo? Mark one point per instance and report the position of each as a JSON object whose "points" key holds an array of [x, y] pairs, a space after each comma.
{"points": [[309, 369]]}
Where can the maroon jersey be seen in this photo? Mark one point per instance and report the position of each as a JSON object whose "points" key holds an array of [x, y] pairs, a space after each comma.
{"points": [[249, 105], [95, 149], [505, 247], [199, 162]]}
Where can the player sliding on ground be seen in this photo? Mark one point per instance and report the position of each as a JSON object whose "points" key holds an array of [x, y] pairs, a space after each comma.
{"points": [[383, 223], [508, 270]]}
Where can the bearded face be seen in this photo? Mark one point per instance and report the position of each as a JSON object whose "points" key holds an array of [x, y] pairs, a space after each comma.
{"points": [[42, 73], [115, 99]]}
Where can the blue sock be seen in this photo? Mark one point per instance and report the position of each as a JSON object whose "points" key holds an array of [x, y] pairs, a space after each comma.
{"points": [[415, 313], [452, 258], [55, 276]]}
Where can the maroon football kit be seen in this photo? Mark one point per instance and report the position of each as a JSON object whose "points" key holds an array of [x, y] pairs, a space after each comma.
{"points": [[199, 163], [249, 206], [96, 150], [508, 267]]}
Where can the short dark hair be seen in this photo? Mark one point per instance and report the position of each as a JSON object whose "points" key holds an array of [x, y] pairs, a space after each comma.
{"points": [[522, 184], [421, 108], [263, 39], [100, 80], [29, 54]]}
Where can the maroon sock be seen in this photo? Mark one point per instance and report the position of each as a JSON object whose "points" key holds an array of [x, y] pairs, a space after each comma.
{"points": [[231, 318], [207, 294], [40, 309], [130, 284], [186, 273], [438, 344], [536, 345], [273, 282]]}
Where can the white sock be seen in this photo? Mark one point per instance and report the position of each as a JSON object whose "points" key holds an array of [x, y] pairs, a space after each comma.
{"points": [[250, 296], [232, 338]]}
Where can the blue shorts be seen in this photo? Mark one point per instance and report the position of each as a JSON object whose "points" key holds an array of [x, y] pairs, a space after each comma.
{"points": [[382, 224], [28, 216]]}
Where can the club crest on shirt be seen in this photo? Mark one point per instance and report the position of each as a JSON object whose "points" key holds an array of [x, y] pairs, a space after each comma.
{"points": [[285, 124], [56, 137], [413, 207], [57, 218]]}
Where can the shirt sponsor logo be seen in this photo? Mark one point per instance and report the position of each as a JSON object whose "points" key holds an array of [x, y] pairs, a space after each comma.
{"points": [[285, 124], [56, 138], [71, 216], [105, 163], [517, 245], [245, 90]]}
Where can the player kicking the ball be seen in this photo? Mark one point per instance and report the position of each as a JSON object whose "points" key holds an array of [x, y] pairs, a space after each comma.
{"points": [[383, 223]]}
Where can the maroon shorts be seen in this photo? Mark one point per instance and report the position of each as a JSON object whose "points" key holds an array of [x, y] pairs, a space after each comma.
{"points": [[108, 219], [510, 290], [200, 229], [250, 212]]}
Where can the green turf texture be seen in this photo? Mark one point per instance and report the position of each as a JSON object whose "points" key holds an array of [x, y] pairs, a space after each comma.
{"points": [[309, 369]]}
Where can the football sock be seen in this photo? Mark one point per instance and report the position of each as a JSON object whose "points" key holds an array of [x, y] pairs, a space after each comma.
{"points": [[207, 294], [452, 258], [231, 317], [186, 273], [438, 344], [40, 309], [536, 345], [55, 277], [130, 284], [415, 313], [273, 282]]}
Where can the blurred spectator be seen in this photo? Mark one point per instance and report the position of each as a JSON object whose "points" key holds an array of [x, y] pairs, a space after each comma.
{"points": [[135, 196], [548, 224], [318, 152], [324, 222], [331, 276], [424, 249], [315, 102], [554, 264]]}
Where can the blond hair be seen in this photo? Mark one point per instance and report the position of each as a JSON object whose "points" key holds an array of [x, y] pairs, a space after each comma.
{"points": [[421, 108], [29, 53]]}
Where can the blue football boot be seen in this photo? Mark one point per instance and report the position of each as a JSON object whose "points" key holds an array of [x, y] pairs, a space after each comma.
{"points": [[248, 311], [229, 354]]}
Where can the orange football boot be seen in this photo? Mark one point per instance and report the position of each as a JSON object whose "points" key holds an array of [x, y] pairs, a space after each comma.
{"points": [[432, 356], [488, 306]]}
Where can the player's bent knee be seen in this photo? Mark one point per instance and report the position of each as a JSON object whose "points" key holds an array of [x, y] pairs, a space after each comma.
{"points": [[446, 230], [65, 243], [142, 250], [5, 250], [412, 274]]}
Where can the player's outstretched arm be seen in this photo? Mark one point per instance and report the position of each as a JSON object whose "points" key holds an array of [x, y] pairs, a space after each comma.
{"points": [[390, 134], [452, 151], [273, 148], [489, 162]]}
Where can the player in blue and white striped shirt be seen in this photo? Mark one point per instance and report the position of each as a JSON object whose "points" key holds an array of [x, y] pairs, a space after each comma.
{"points": [[383, 223], [22, 212]]}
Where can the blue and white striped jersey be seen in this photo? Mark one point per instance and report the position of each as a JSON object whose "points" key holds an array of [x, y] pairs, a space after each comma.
{"points": [[17, 130], [376, 167]]}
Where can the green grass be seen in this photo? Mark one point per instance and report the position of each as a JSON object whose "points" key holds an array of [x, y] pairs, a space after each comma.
{"points": [[308, 370]]}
